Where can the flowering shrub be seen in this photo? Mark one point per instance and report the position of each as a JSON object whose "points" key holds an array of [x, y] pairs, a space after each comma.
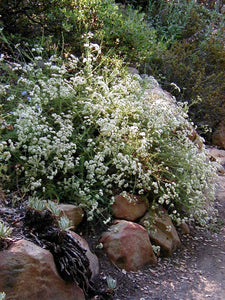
{"points": [[83, 134]]}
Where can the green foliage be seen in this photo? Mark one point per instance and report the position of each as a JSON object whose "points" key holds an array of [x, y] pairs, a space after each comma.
{"points": [[64, 223], [198, 69], [5, 231], [175, 20], [128, 34], [112, 283], [36, 204], [40, 205], [60, 25], [194, 58], [54, 208], [178, 42], [135, 3]]}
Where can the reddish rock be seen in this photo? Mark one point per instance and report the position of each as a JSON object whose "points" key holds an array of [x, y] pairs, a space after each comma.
{"points": [[217, 158], [74, 214], [219, 168], [199, 142], [28, 272], [93, 260], [195, 138], [161, 231], [216, 155], [127, 245], [184, 228], [220, 188], [218, 138], [129, 207], [193, 134]]}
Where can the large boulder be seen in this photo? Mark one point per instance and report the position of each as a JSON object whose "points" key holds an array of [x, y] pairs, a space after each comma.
{"points": [[217, 158], [93, 260], [163, 97], [73, 213], [217, 155], [28, 272], [128, 246], [220, 188], [129, 207], [161, 231], [218, 137]]}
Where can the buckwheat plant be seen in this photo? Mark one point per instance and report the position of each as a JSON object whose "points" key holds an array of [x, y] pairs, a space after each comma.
{"points": [[82, 133]]}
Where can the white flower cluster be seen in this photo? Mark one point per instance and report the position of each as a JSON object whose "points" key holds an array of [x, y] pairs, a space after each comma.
{"points": [[46, 150], [93, 132]]}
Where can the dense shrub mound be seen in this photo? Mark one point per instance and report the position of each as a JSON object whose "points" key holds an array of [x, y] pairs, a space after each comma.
{"points": [[83, 130]]}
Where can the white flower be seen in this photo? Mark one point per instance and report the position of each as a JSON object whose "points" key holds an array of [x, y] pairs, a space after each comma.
{"points": [[116, 132]]}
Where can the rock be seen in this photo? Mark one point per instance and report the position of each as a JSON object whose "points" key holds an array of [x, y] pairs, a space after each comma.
{"points": [[217, 155], [199, 142], [162, 97], [93, 260], [133, 71], [129, 207], [220, 188], [161, 231], [193, 134], [127, 245], [218, 137], [184, 228], [219, 168], [28, 272], [195, 138], [74, 214]]}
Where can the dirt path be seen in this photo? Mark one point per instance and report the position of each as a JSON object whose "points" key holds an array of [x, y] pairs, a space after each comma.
{"points": [[196, 271]]}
